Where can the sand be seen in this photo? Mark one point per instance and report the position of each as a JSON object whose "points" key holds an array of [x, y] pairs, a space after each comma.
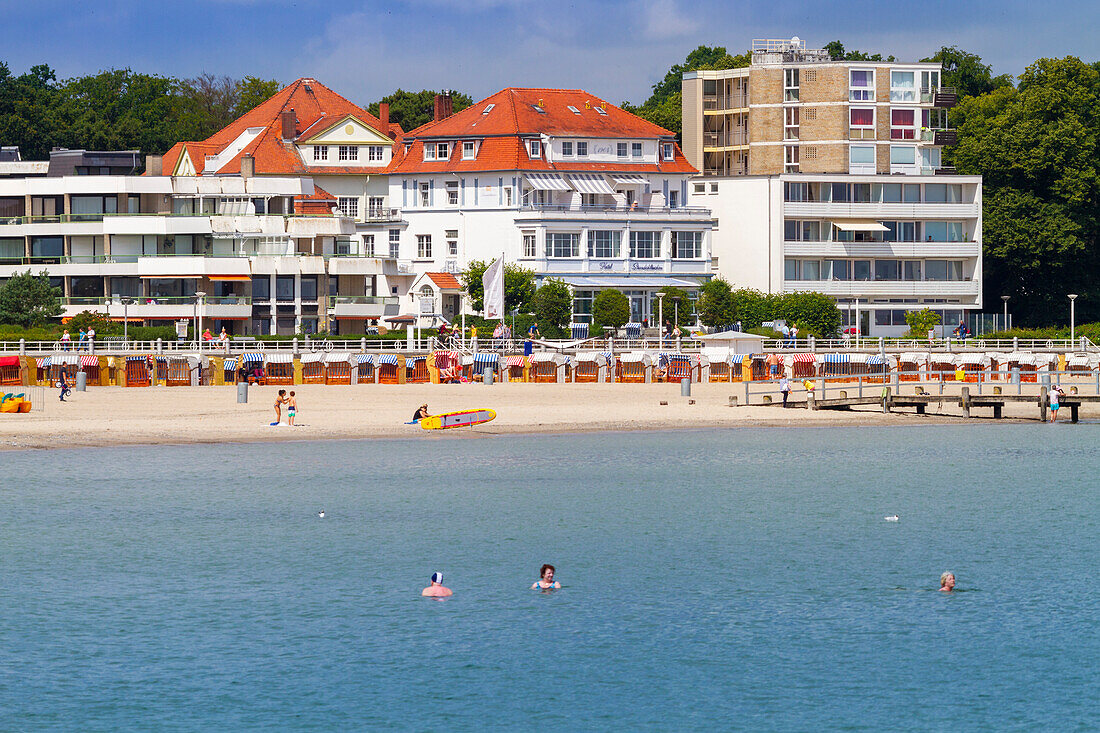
{"points": [[107, 416]]}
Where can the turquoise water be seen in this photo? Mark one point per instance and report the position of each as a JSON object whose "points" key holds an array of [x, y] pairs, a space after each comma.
{"points": [[735, 579]]}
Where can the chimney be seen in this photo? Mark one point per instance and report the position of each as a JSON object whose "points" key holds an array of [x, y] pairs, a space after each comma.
{"points": [[438, 109], [384, 117], [248, 167], [289, 125], [154, 165], [448, 105]]}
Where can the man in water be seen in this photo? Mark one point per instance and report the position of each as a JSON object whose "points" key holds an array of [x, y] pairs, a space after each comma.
{"points": [[437, 589], [546, 579], [947, 582]]}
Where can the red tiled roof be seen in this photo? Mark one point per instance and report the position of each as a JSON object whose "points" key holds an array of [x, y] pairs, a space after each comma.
{"points": [[313, 104], [445, 280], [512, 120], [319, 194]]}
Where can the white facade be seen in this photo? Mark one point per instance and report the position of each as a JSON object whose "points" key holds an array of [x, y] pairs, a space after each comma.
{"points": [[879, 245]]}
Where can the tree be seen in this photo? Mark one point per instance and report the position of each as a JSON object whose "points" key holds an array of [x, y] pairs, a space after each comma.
{"points": [[519, 285], [610, 309], [814, 313], [678, 310], [966, 72], [921, 322], [253, 91], [753, 307], [553, 303], [413, 109], [717, 306], [29, 300], [836, 51], [91, 319]]}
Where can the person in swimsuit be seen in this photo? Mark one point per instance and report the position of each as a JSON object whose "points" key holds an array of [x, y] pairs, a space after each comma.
{"points": [[947, 582], [291, 407], [546, 579], [421, 413], [279, 400], [1056, 394], [437, 589]]}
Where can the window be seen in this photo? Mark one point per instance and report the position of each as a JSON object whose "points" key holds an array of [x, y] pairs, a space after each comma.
{"points": [[620, 149], [309, 287], [861, 85], [930, 159], [790, 85], [582, 305], [604, 244], [673, 199], [601, 111], [943, 193], [838, 270], [443, 151], [790, 160], [687, 245], [943, 231], [261, 288], [429, 151], [469, 149], [796, 191], [943, 270], [645, 245], [567, 148], [424, 246], [861, 270], [374, 206], [395, 243], [635, 150], [368, 245], [902, 155], [507, 195], [284, 287], [452, 193], [374, 152], [563, 244], [573, 109], [910, 270], [349, 152], [425, 193], [582, 149], [801, 231], [862, 117], [790, 123], [861, 159], [534, 149], [320, 152], [929, 81], [699, 188], [902, 124], [590, 200], [900, 231], [488, 109], [529, 244], [452, 242], [349, 206], [669, 151], [861, 193], [902, 87], [537, 197], [886, 270]]}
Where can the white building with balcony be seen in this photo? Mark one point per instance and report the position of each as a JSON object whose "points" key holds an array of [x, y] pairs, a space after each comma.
{"points": [[880, 245], [558, 181]]}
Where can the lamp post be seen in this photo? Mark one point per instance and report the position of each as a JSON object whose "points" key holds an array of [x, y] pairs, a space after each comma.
{"points": [[676, 318], [126, 302], [199, 295], [1005, 299], [661, 316], [512, 338], [1072, 298]]}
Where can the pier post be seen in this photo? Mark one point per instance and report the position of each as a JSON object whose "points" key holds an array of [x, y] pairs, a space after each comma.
{"points": [[1073, 412], [811, 401], [23, 347], [1044, 400], [747, 392], [965, 401]]}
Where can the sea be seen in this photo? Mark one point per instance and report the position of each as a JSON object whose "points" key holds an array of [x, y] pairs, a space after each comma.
{"points": [[739, 579]]}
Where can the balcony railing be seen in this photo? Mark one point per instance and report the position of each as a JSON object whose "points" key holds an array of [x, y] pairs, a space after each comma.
{"points": [[383, 215], [376, 214], [614, 209], [141, 300], [335, 300], [725, 139], [941, 97], [713, 103]]}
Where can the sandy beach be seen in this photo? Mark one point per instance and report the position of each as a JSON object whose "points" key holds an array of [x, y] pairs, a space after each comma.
{"points": [[106, 416]]}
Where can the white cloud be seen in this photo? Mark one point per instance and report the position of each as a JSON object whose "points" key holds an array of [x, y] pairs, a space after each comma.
{"points": [[662, 19]]}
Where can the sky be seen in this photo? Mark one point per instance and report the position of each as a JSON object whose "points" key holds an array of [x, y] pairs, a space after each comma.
{"points": [[615, 50]]}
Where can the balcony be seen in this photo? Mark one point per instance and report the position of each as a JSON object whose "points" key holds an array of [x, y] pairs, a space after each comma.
{"points": [[713, 141], [879, 211], [363, 306], [968, 289], [906, 250], [160, 308], [376, 215], [724, 103], [533, 212], [941, 97]]}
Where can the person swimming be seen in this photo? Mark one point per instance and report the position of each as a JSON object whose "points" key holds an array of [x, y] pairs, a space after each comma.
{"points": [[437, 589], [947, 582], [546, 579]]}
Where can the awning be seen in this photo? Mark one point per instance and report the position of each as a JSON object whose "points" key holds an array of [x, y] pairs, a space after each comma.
{"points": [[636, 357], [337, 357], [738, 358], [364, 358], [85, 361], [550, 356], [483, 357], [11, 361], [410, 360], [313, 357], [625, 281], [279, 358], [515, 361], [837, 359], [230, 278], [629, 179], [547, 181], [135, 358], [878, 359], [230, 364], [253, 356], [590, 183], [44, 362], [859, 225], [387, 359]]}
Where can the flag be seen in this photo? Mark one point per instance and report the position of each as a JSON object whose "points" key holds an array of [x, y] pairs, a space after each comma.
{"points": [[493, 283]]}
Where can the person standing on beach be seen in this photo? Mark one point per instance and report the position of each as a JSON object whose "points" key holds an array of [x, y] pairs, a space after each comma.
{"points": [[291, 407], [785, 389], [546, 579], [773, 365], [280, 399], [64, 385], [947, 582], [437, 589]]}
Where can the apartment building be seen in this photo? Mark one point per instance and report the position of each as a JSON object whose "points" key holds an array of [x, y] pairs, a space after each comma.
{"points": [[158, 249], [827, 175], [558, 181]]}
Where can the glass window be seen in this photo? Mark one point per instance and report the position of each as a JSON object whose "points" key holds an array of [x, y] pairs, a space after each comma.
{"points": [[912, 193], [687, 245], [791, 230], [443, 150], [790, 85], [935, 193], [902, 155], [861, 193], [790, 123], [368, 245], [861, 270], [604, 244], [670, 152], [931, 158], [529, 244], [562, 244], [348, 206], [790, 269], [87, 287], [349, 152], [886, 269], [862, 154], [862, 117], [838, 270], [425, 194], [424, 246], [955, 232], [309, 287], [929, 81], [395, 242], [621, 149], [902, 124], [839, 192], [567, 148], [582, 149], [374, 152], [284, 287], [47, 247], [645, 245], [910, 270], [902, 86], [791, 159], [861, 85], [935, 231], [452, 193], [795, 191], [11, 248], [469, 150], [635, 150], [261, 287], [811, 269], [534, 149], [127, 287], [811, 231], [320, 152], [891, 193]]}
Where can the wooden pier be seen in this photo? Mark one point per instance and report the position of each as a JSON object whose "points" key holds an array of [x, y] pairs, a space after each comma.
{"points": [[891, 402]]}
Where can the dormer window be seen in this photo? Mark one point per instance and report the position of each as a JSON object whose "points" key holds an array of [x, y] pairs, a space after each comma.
{"points": [[621, 149], [534, 149], [668, 151], [429, 151], [567, 149], [320, 152], [443, 151], [349, 152], [469, 149], [574, 110], [635, 150], [582, 149]]}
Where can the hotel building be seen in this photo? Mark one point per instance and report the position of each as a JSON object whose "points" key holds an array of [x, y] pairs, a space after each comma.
{"points": [[827, 175]]}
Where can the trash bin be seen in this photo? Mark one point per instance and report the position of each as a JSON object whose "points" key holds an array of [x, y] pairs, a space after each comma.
{"points": [[685, 387], [242, 393], [81, 381], [487, 375]]}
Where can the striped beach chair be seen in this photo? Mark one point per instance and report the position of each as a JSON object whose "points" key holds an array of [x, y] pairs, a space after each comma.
{"points": [[972, 365], [914, 362], [481, 361], [681, 366], [364, 368], [279, 368], [445, 366], [229, 370], [89, 364], [941, 367], [313, 368], [548, 367], [416, 369], [633, 331], [836, 367], [878, 368], [390, 368], [634, 367], [338, 368], [591, 366], [803, 366], [718, 358], [1080, 364], [516, 368], [43, 372], [137, 372], [578, 330], [178, 372]]}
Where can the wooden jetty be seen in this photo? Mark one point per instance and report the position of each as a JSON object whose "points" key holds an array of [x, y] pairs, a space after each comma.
{"points": [[890, 402]]}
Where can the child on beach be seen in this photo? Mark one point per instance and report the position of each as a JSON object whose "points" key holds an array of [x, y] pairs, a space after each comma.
{"points": [[291, 407]]}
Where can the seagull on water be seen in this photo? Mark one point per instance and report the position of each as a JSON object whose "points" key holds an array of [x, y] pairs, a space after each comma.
{"points": [[321, 514], [891, 518]]}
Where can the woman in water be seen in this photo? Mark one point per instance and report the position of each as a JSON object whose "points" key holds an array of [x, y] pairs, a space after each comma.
{"points": [[546, 579], [947, 582]]}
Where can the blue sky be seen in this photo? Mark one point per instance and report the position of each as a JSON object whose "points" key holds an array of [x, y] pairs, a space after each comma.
{"points": [[613, 49]]}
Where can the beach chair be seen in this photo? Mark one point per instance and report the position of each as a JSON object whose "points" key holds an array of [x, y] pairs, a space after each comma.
{"points": [[759, 367], [178, 372], [416, 370], [1080, 364], [635, 367], [313, 368], [941, 367], [973, 365], [444, 366], [590, 366], [137, 372], [364, 368], [578, 331], [803, 366], [836, 368], [337, 369], [89, 364], [633, 331], [547, 367], [10, 373], [913, 362], [391, 369], [877, 369], [279, 368], [515, 368], [474, 367], [229, 370], [681, 366]]}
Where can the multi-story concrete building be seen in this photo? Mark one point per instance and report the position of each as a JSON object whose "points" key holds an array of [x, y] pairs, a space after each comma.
{"points": [[556, 180], [826, 175]]}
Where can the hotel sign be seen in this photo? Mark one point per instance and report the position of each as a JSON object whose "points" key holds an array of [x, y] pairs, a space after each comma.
{"points": [[646, 267]]}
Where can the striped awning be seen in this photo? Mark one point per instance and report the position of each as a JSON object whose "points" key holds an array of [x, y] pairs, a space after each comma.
{"points": [[135, 358], [486, 357], [515, 361], [276, 358], [410, 360], [629, 179], [548, 356], [738, 358], [579, 330], [546, 181], [635, 357], [590, 183], [1079, 360], [250, 356], [230, 364], [971, 358], [860, 358], [44, 362], [336, 357], [387, 359], [89, 361], [837, 359], [596, 356], [313, 357], [364, 358], [878, 360], [802, 358]]}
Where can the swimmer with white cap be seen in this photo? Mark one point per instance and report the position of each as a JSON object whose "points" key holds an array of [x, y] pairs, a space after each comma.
{"points": [[437, 589]]}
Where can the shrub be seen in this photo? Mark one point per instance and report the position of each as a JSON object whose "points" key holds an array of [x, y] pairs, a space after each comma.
{"points": [[610, 308], [717, 306], [553, 303], [814, 313], [921, 321]]}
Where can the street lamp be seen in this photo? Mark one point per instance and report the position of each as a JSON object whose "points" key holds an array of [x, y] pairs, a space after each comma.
{"points": [[1072, 297], [126, 303], [1005, 299], [199, 295], [661, 315]]}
